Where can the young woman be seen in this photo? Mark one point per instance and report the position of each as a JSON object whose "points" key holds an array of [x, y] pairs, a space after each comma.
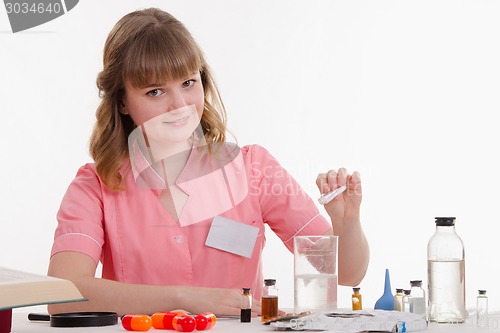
{"points": [[176, 214]]}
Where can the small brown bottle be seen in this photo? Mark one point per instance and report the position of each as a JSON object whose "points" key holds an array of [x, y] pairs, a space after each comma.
{"points": [[357, 303], [246, 306], [269, 300]]}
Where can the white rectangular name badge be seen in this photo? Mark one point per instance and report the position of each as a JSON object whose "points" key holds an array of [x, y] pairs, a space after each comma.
{"points": [[232, 236]]}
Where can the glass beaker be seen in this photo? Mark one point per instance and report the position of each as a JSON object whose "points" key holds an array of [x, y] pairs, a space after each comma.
{"points": [[315, 273]]}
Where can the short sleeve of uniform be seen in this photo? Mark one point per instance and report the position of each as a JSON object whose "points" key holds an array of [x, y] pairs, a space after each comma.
{"points": [[80, 216], [285, 207]]}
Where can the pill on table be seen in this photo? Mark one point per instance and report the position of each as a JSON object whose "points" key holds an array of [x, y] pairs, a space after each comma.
{"points": [[205, 321], [183, 323], [137, 322]]}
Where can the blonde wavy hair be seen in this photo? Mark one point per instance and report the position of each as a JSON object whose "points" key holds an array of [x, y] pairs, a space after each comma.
{"points": [[146, 46]]}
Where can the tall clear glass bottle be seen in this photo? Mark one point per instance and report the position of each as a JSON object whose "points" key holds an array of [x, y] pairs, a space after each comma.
{"points": [[446, 274], [269, 302], [417, 298]]}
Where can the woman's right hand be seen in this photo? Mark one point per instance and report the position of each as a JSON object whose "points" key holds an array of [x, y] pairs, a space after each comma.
{"points": [[220, 301]]}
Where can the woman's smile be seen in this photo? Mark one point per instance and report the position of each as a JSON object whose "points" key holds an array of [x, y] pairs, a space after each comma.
{"points": [[178, 122]]}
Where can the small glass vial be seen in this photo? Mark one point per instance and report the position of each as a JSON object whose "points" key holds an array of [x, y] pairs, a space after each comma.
{"points": [[417, 303], [269, 301], [357, 303], [482, 309], [246, 306], [398, 299], [406, 300]]}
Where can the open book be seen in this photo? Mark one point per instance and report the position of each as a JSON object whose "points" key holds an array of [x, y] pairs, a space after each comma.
{"points": [[18, 289]]}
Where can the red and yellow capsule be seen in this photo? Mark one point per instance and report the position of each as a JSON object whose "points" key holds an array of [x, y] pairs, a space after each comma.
{"points": [[137, 322], [157, 319], [205, 321], [163, 320], [183, 323]]}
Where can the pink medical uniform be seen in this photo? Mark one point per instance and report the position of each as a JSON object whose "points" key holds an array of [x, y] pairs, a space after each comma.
{"points": [[138, 242]]}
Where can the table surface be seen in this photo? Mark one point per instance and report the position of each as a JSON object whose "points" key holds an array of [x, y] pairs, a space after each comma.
{"points": [[20, 324]]}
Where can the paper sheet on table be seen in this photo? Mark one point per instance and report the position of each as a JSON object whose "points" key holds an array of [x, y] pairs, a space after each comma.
{"points": [[356, 321]]}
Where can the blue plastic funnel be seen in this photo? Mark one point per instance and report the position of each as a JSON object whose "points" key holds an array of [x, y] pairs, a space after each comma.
{"points": [[386, 301]]}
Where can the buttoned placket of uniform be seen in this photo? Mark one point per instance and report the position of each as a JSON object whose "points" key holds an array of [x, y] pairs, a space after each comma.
{"points": [[180, 238]]}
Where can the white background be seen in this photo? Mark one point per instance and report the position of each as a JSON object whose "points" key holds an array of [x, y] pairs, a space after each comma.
{"points": [[405, 92]]}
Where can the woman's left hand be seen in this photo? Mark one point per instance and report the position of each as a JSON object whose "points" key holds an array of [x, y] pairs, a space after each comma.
{"points": [[345, 207]]}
